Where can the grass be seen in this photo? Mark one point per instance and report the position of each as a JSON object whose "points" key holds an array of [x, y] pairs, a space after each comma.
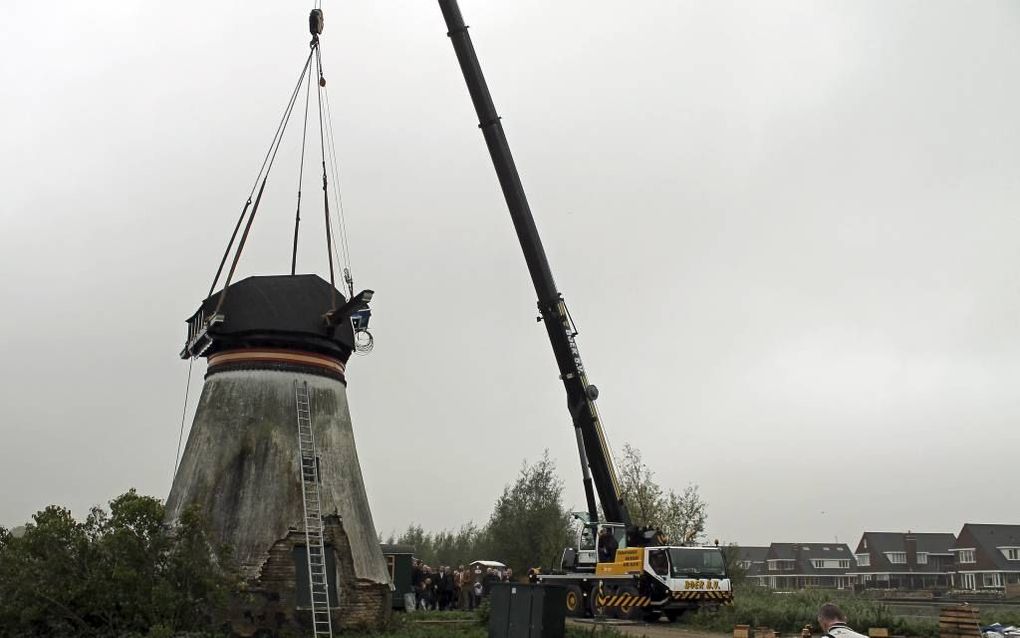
{"points": [[784, 612], [790, 612], [431, 624]]}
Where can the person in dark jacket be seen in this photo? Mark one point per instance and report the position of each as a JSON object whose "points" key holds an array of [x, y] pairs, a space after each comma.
{"points": [[490, 578], [607, 546], [445, 588], [416, 578]]}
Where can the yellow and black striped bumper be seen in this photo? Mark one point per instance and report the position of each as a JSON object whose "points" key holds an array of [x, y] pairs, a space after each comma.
{"points": [[720, 596], [623, 600]]}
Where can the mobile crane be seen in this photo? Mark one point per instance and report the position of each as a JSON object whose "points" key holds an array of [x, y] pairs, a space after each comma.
{"points": [[646, 577]]}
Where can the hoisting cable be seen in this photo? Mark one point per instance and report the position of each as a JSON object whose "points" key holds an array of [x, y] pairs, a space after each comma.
{"points": [[338, 194], [363, 338], [344, 261], [184, 414], [301, 177], [265, 160], [325, 181], [258, 198]]}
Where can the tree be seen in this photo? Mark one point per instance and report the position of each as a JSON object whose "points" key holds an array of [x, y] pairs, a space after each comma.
{"points": [[529, 526], [444, 547], [681, 517], [734, 569], [112, 574], [684, 515]]}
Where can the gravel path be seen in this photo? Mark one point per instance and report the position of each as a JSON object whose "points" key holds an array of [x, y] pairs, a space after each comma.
{"points": [[653, 630]]}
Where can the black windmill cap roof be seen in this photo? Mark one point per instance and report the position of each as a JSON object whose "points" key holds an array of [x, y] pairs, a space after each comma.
{"points": [[278, 311]]}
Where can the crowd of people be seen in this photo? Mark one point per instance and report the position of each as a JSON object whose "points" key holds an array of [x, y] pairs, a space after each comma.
{"points": [[446, 589]]}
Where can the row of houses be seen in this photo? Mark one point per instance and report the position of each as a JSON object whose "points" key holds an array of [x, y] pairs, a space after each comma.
{"points": [[980, 557]]}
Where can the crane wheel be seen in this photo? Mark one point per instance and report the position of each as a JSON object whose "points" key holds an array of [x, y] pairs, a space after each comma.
{"points": [[629, 612], [574, 602], [597, 608]]}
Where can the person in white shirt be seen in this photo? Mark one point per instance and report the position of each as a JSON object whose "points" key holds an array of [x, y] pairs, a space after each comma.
{"points": [[832, 620]]}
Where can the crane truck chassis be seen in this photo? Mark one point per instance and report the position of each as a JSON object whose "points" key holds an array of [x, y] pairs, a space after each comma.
{"points": [[644, 583], [647, 577]]}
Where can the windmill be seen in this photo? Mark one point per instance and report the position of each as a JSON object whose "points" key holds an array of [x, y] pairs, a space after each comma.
{"points": [[270, 462]]}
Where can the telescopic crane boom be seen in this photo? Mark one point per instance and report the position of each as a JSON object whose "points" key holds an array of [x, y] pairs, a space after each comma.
{"points": [[596, 462]]}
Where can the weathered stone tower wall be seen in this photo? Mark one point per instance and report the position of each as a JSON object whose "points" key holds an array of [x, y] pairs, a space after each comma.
{"points": [[241, 468]]}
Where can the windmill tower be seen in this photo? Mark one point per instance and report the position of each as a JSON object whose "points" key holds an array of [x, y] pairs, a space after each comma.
{"points": [[270, 462]]}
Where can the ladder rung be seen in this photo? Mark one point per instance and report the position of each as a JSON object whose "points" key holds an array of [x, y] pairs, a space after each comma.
{"points": [[309, 472]]}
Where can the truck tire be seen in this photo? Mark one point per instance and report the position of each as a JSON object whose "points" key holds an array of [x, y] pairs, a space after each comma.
{"points": [[574, 602], [673, 614], [596, 608], [629, 612]]}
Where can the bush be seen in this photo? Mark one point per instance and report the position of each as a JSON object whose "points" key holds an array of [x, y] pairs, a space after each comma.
{"points": [[790, 612], [120, 573]]}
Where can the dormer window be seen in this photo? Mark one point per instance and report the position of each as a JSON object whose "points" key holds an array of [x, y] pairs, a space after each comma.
{"points": [[965, 556]]}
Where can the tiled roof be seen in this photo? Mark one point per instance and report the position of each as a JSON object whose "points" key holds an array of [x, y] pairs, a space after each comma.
{"points": [[804, 553], [990, 537], [880, 544]]}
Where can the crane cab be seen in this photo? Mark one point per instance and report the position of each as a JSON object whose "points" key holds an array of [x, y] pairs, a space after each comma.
{"points": [[584, 556]]}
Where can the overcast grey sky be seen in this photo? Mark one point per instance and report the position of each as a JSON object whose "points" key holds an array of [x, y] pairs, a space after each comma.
{"points": [[787, 230]]}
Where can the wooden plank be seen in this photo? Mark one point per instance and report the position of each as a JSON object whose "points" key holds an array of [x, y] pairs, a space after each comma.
{"points": [[961, 626]]}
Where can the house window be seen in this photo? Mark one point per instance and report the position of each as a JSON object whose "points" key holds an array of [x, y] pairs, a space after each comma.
{"points": [[779, 564], [922, 558], [864, 560], [1011, 553], [967, 581], [990, 580], [897, 558], [822, 563], [965, 556]]}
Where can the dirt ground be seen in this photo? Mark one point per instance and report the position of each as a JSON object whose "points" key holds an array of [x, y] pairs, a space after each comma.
{"points": [[653, 630]]}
